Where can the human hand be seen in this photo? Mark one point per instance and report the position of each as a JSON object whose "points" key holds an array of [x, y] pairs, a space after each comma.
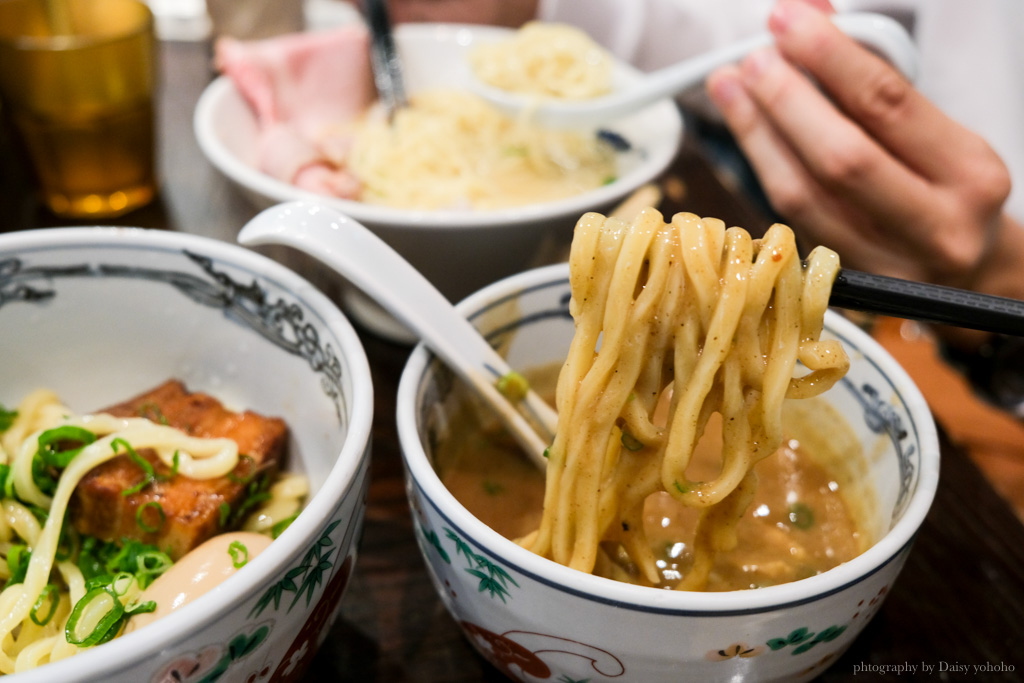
{"points": [[860, 161]]}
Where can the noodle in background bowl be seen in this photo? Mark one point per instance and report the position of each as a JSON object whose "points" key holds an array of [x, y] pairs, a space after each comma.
{"points": [[535, 619], [101, 314], [460, 251]]}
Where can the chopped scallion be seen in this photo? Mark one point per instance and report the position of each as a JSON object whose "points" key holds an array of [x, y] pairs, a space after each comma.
{"points": [[250, 469], [801, 516], [53, 442], [95, 618], [513, 386], [18, 556], [48, 596], [7, 418], [279, 527], [141, 514], [239, 554], [148, 473], [630, 442]]}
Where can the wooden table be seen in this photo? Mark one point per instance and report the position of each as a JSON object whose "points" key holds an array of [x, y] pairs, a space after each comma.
{"points": [[960, 598]]}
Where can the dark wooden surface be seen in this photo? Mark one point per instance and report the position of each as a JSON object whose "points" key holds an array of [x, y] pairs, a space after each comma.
{"points": [[960, 598]]}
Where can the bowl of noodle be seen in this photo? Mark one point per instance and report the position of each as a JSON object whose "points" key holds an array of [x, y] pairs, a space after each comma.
{"points": [[466, 194], [736, 480], [184, 444]]}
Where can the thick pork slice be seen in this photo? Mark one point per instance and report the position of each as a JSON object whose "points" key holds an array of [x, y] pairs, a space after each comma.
{"points": [[304, 89], [189, 511]]}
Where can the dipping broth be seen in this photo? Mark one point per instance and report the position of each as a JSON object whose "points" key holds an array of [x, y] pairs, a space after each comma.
{"points": [[805, 517]]}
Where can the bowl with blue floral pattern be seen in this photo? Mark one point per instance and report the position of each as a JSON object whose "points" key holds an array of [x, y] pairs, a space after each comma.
{"points": [[128, 331], [537, 620]]}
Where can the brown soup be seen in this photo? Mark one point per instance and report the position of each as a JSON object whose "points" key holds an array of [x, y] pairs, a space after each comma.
{"points": [[799, 524]]}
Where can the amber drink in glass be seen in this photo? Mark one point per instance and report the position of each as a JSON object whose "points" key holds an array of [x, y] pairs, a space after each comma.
{"points": [[77, 80]]}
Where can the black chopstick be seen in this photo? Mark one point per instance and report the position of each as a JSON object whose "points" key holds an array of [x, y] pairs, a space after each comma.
{"points": [[858, 291], [387, 71]]}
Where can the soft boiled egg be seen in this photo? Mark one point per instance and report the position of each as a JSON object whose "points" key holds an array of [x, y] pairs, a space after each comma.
{"points": [[199, 571]]}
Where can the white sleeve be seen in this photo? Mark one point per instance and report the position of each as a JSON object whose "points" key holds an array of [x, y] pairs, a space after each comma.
{"points": [[972, 67]]}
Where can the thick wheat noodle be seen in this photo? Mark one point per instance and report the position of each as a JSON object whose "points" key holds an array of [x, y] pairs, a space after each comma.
{"points": [[450, 149], [545, 59], [715, 317]]}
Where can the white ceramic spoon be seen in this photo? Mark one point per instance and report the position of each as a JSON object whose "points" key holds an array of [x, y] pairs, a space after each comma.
{"points": [[882, 34], [370, 264]]}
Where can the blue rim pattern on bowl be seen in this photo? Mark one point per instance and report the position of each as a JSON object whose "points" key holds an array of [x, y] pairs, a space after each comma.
{"points": [[281, 322]]}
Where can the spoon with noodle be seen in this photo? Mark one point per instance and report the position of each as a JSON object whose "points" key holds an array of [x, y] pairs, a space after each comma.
{"points": [[882, 34], [369, 263]]}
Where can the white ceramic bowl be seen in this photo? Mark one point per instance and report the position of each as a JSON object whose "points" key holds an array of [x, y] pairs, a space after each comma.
{"points": [[102, 314], [543, 620], [459, 251]]}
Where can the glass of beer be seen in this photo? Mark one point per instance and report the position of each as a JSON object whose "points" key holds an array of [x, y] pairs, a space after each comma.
{"points": [[77, 80]]}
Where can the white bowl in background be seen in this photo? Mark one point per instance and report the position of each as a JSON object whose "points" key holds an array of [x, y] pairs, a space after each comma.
{"points": [[538, 619], [459, 251], [100, 315]]}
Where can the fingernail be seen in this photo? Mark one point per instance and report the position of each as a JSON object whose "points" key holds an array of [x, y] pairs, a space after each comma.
{"points": [[724, 88], [757, 63], [788, 16]]}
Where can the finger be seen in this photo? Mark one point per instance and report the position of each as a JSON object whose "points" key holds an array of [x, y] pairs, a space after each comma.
{"points": [[822, 215], [834, 149], [790, 188], [781, 173], [872, 92]]}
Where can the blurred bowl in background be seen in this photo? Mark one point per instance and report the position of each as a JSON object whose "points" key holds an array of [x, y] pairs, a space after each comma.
{"points": [[533, 618], [99, 315], [459, 251]]}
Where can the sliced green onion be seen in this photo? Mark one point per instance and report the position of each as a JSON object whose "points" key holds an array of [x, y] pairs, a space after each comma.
{"points": [[175, 462], [250, 501], [95, 618], [68, 545], [630, 442], [121, 583], [175, 465], [9, 484], [140, 608], [279, 527], [153, 562], [148, 473], [41, 474], [513, 386], [6, 481], [140, 515], [51, 438], [49, 592], [7, 418], [801, 516], [18, 556], [492, 488], [239, 554], [225, 513], [41, 514], [104, 559], [250, 469], [152, 412]]}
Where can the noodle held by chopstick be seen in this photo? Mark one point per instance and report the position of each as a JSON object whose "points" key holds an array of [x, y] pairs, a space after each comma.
{"points": [[717, 319]]}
